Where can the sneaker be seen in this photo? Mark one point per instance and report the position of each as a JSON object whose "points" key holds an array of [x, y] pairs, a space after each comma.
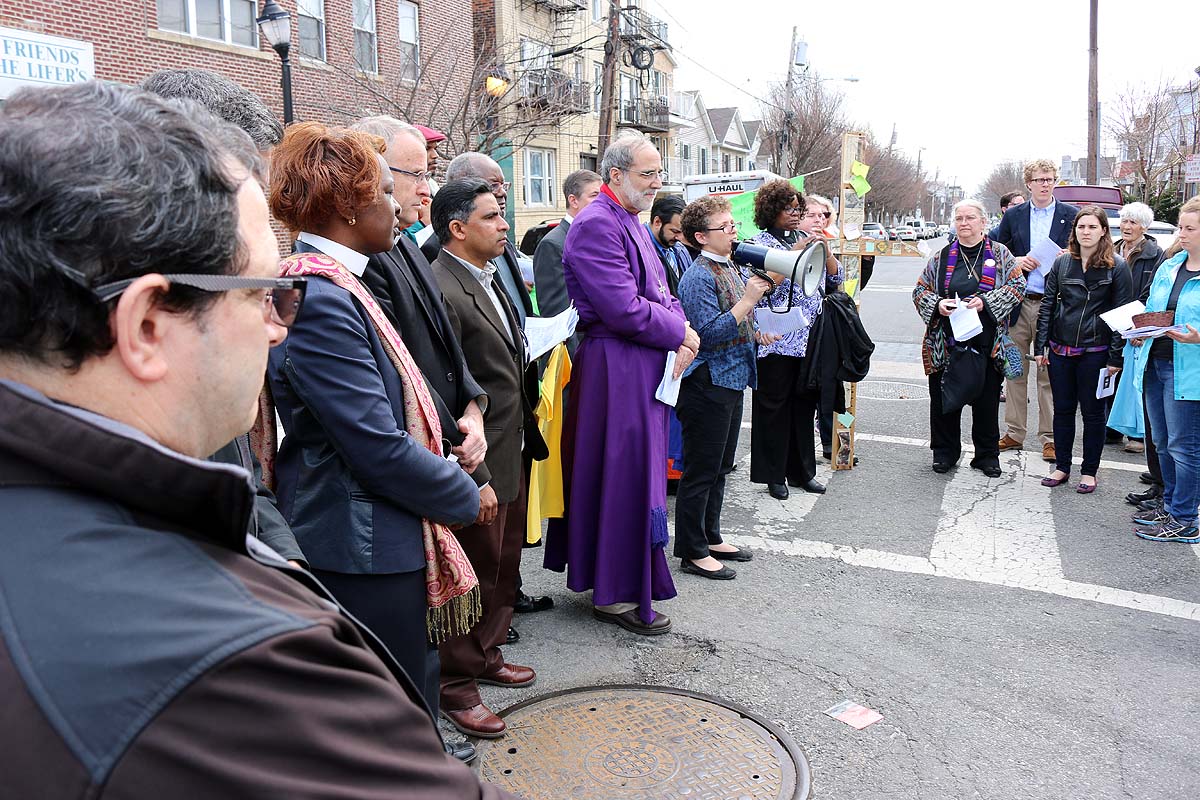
{"points": [[1152, 517], [1150, 505], [1170, 531], [1134, 446]]}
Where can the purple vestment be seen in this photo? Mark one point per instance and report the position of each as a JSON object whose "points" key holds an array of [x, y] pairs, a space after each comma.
{"points": [[615, 432]]}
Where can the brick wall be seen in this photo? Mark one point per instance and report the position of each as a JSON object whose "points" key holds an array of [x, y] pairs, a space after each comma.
{"points": [[129, 46]]}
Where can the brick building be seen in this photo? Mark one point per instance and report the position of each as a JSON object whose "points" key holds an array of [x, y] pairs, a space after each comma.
{"points": [[349, 57]]}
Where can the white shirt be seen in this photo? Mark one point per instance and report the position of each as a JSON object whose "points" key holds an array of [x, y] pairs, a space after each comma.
{"points": [[714, 257], [484, 276], [567, 218], [353, 260]]}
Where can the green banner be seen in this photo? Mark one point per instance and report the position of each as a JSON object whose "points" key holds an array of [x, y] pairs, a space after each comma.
{"points": [[743, 209]]}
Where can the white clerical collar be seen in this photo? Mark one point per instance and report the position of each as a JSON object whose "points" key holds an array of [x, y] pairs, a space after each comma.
{"points": [[567, 218], [715, 257], [484, 276], [352, 260]]}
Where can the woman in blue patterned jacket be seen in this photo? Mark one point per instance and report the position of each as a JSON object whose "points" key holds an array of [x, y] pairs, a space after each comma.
{"points": [[720, 307]]}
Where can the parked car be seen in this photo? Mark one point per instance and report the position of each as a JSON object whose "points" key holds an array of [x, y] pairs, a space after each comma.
{"points": [[874, 230], [943, 230], [931, 229], [891, 232], [535, 234], [906, 234]]}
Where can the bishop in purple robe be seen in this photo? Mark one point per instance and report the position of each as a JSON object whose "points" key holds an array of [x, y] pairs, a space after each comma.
{"points": [[611, 539]]}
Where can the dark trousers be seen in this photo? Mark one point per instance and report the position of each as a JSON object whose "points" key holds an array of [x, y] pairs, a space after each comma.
{"points": [[945, 428], [781, 435], [393, 607], [495, 553], [711, 417], [1151, 451], [1073, 381]]}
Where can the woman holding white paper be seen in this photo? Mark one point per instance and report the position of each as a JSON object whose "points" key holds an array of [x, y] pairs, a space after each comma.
{"points": [[1168, 371], [978, 274], [1088, 280]]}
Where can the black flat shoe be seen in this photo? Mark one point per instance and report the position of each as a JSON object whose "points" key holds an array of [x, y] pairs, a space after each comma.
{"points": [[513, 637], [988, 468], [811, 486], [722, 574], [1134, 498], [740, 555], [777, 490], [1147, 477], [942, 467], [524, 604]]}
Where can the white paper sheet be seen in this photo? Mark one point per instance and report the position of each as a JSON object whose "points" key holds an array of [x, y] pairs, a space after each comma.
{"points": [[544, 333], [668, 388], [1152, 331], [1121, 317], [1107, 385], [787, 322], [964, 322], [1045, 251]]}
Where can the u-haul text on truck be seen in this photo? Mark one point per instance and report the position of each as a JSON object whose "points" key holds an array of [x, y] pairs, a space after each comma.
{"points": [[725, 183]]}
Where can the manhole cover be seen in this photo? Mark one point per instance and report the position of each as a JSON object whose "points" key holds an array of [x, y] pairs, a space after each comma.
{"points": [[641, 743], [892, 390]]}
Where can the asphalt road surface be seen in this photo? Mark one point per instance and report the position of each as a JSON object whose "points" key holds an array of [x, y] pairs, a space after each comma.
{"points": [[1019, 641]]}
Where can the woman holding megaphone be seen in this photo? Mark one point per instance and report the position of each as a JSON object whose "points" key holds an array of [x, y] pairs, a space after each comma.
{"points": [[719, 304], [781, 436]]}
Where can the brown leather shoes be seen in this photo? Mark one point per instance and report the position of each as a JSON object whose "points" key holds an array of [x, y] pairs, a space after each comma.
{"points": [[1009, 443], [1048, 453], [511, 675], [477, 721]]}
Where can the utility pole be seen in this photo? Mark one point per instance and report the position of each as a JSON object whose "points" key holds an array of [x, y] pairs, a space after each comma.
{"points": [[612, 55], [1093, 100], [783, 140]]}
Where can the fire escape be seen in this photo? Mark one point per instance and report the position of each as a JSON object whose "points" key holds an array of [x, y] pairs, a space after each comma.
{"points": [[544, 86]]}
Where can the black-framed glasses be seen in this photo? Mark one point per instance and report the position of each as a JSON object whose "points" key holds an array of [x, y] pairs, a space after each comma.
{"points": [[281, 305], [1043, 181], [728, 227], [793, 211], [416, 176]]}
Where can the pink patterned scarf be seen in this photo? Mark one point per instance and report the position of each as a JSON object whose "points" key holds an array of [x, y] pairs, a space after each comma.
{"points": [[451, 588]]}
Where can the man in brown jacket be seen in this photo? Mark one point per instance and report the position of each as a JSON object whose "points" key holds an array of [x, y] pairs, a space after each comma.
{"points": [[148, 646], [468, 221]]}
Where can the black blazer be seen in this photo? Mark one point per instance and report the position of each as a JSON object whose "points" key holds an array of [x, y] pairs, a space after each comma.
{"points": [[1013, 230], [351, 481], [548, 272], [402, 282]]}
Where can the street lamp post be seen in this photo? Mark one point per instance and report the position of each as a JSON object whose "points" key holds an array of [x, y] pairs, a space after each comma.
{"points": [[276, 25]]}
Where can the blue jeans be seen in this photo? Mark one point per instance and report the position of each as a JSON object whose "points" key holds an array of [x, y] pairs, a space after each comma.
{"points": [[1073, 382], [1175, 426]]}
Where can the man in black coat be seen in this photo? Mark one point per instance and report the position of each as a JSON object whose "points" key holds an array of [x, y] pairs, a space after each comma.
{"points": [[580, 188]]}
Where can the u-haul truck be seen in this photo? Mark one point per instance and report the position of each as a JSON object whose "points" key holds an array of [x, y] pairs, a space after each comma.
{"points": [[723, 184]]}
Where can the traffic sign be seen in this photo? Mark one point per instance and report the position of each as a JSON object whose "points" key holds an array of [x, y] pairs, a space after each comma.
{"points": [[1191, 169]]}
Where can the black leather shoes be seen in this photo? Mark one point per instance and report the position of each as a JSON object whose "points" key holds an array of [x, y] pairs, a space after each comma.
{"points": [[740, 555], [778, 490], [942, 466], [464, 751], [1147, 477], [513, 637], [1134, 498], [811, 486], [525, 604], [723, 574]]}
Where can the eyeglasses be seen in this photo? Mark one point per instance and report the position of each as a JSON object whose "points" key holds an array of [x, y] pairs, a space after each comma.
{"points": [[1043, 181], [793, 210], [818, 215], [650, 174], [281, 304], [499, 186], [416, 176], [728, 227]]}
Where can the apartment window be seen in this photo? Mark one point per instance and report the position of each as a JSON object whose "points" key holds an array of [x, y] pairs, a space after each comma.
{"points": [[222, 20], [410, 48], [658, 84], [539, 177], [598, 10], [628, 98], [366, 55], [703, 159], [740, 164], [310, 23], [725, 164]]}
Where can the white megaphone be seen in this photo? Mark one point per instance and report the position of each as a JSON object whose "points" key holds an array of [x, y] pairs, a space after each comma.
{"points": [[805, 268]]}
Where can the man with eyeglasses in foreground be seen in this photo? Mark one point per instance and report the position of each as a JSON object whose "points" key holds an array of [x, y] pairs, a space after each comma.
{"points": [[147, 641], [1023, 226], [613, 534]]}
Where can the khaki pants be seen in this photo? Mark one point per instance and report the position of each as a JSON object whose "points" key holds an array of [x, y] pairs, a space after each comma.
{"points": [[1016, 410]]}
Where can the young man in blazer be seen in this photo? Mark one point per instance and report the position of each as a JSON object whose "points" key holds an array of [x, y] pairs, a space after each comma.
{"points": [[1021, 226], [467, 219]]}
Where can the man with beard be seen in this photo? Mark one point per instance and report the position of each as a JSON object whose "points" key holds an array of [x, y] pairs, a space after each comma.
{"points": [[615, 436], [667, 231]]}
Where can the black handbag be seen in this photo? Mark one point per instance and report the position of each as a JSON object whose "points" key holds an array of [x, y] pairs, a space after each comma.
{"points": [[963, 378]]}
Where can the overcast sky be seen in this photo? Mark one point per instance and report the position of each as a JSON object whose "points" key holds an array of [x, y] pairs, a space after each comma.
{"points": [[973, 83]]}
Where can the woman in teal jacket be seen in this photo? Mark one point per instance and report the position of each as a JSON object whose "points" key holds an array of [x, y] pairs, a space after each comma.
{"points": [[1167, 370]]}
